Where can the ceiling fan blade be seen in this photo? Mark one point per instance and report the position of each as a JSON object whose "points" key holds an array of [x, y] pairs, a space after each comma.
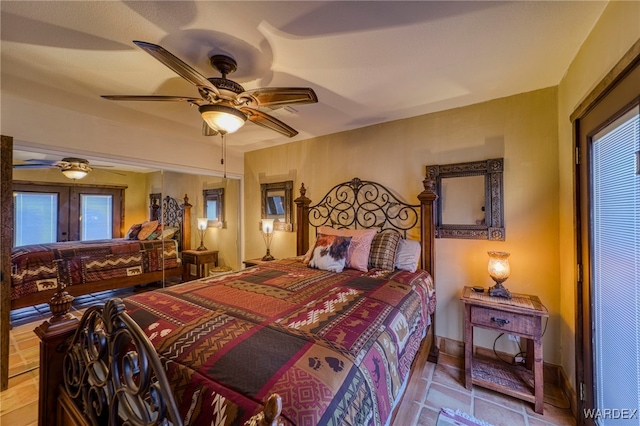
{"points": [[35, 166], [177, 65], [100, 169], [208, 131], [279, 96], [161, 98], [265, 120]]}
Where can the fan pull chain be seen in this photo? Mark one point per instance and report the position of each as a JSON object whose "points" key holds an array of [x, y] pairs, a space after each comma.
{"points": [[223, 155]]}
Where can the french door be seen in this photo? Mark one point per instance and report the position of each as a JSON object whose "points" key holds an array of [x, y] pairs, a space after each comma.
{"points": [[608, 311], [48, 213]]}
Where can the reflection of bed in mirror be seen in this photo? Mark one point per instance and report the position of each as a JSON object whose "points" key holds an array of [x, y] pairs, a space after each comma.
{"points": [[336, 347], [40, 271]]}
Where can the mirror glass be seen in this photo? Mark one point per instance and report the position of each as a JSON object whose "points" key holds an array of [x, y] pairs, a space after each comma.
{"points": [[277, 204], [469, 203], [214, 206], [463, 200]]}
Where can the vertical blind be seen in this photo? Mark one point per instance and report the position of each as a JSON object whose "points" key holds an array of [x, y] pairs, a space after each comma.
{"points": [[36, 218], [96, 217], [616, 267]]}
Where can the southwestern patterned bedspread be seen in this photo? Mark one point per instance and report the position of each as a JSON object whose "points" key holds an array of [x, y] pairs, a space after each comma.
{"points": [[337, 347], [39, 267]]}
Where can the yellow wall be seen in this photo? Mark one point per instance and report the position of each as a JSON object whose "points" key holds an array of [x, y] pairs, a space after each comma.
{"points": [[521, 128], [616, 31]]}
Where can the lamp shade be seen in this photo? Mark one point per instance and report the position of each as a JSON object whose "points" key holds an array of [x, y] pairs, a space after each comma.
{"points": [[267, 226], [202, 223], [498, 267], [222, 118], [74, 173]]}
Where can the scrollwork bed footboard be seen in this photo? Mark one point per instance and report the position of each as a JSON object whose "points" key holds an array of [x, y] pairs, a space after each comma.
{"points": [[112, 371], [111, 374]]}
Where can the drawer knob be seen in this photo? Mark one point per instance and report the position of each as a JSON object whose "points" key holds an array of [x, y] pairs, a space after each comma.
{"points": [[501, 321]]}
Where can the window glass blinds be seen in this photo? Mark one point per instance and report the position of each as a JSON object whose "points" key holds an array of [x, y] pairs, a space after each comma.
{"points": [[615, 234]]}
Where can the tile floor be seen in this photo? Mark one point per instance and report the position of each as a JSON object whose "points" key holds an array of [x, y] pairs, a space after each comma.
{"points": [[436, 386]]}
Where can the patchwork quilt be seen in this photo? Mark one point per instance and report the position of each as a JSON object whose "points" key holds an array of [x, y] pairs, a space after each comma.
{"points": [[39, 267], [337, 347]]}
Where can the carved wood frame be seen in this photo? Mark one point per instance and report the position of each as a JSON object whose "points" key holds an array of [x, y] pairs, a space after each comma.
{"points": [[492, 170]]}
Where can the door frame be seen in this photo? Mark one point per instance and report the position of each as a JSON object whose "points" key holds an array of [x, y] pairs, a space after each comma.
{"points": [[617, 92]]}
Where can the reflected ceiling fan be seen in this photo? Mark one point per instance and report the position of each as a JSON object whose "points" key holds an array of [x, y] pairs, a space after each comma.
{"points": [[224, 104], [72, 167]]}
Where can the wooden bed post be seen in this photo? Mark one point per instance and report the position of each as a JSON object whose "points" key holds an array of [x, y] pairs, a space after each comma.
{"points": [[52, 351], [302, 222], [186, 224], [427, 199]]}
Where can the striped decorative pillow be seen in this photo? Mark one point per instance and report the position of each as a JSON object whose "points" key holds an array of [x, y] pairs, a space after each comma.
{"points": [[383, 250]]}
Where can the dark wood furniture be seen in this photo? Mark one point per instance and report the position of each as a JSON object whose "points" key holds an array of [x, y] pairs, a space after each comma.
{"points": [[200, 259], [6, 242], [55, 334], [254, 262], [521, 316]]}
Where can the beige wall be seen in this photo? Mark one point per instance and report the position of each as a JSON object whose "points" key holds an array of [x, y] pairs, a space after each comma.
{"points": [[616, 31], [521, 128]]}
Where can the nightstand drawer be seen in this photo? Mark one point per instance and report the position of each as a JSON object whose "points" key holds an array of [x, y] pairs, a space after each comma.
{"points": [[503, 321]]}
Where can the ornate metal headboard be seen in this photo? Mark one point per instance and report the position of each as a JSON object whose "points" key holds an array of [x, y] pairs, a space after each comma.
{"points": [[364, 204], [175, 215]]}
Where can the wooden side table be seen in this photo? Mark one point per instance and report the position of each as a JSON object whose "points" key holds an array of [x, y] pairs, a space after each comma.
{"points": [[254, 262], [521, 316], [199, 259]]}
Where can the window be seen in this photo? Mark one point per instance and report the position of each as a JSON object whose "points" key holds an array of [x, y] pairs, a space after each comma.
{"points": [[36, 217], [96, 217], [615, 213], [46, 213]]}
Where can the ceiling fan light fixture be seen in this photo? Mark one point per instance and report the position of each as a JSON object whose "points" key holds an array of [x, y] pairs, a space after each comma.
{"points": [[75, 168], [222, 118], [74, 173]]}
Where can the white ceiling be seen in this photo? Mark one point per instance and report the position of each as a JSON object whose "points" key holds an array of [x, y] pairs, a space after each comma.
{"points": [[368, 62]]}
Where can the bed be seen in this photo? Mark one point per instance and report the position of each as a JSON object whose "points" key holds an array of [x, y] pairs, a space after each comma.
{"points": [[278, 343], [40, 271]]}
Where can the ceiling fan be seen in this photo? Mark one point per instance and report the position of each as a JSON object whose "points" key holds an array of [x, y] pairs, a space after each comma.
{"points": [[224, 104], [72, 167]]}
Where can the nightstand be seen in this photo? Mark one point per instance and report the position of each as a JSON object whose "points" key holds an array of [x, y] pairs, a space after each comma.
{"points": [[521, 316], [199, 259], [254, 262]]}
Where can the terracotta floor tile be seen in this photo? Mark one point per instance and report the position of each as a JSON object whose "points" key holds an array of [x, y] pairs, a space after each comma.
{"points": [[498, 398], [497, 415], [428, 417], [449, 376], [440, 396]]}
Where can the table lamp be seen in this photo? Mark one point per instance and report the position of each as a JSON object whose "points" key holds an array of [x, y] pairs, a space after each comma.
{"points": [[202, 229], [267, 234], [499, 271]]}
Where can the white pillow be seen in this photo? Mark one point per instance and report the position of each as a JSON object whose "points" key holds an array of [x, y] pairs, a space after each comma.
{"points": [[408, 255]]}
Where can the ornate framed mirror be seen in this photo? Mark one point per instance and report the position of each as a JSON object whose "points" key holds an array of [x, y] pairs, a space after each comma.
{"points": [[469, 203], [277, 204]]}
